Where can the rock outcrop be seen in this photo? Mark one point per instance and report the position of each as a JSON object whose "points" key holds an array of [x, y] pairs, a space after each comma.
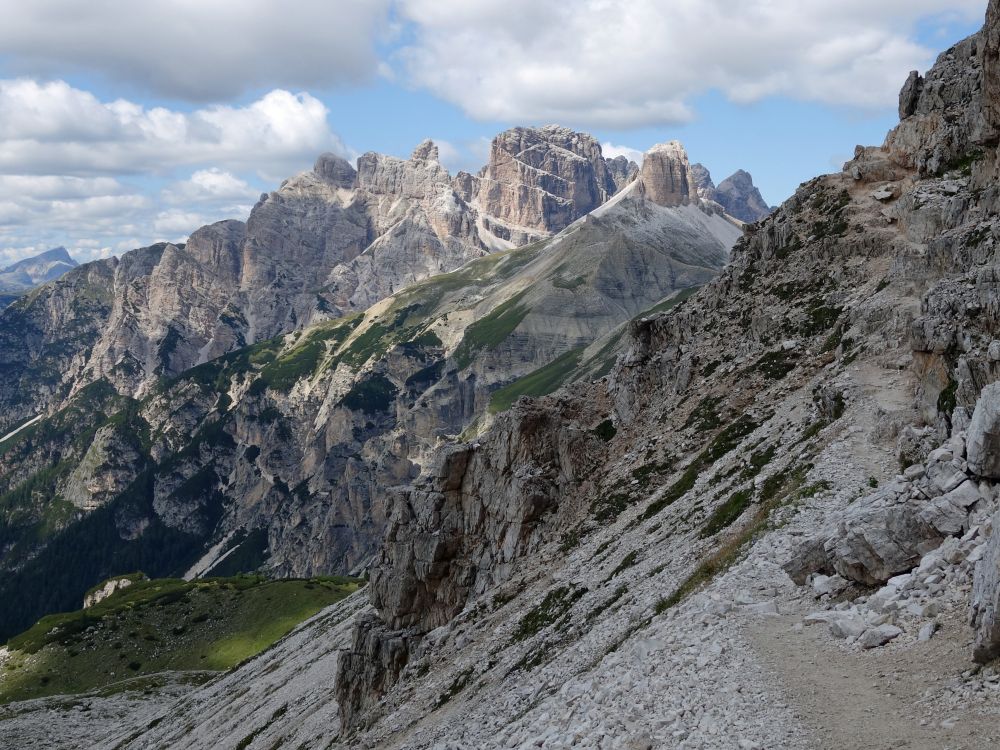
{"points": [[622, 171], [984, 434], [665, 176], [540, 180]]}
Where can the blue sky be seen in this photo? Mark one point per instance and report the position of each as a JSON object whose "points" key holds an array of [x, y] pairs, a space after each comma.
{"points": [[122, 123]]}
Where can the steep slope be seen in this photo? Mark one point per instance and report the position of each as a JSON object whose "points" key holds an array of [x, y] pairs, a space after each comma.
{"points": [[761, 411], [281, 454], [756, 411], [328, 242], [689, 551]]}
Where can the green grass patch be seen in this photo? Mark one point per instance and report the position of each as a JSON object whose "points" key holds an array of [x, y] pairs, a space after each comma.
{"points": [[946, 399], [552, 608], [627, 562], [606, 430], [776, 365], [373, 395], [541, 382], [723, 443], [773, 494], [159, 625], [726, 514], [670, 302], [560, 283], [705, 416], [490, 331]]}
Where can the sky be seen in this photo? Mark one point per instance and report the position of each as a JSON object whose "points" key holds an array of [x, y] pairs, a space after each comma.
{"points": [[124, 123]]}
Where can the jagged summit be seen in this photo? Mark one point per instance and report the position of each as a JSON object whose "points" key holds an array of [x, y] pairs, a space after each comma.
{"points": [[737, 194], [426, 150], [336, 170]]}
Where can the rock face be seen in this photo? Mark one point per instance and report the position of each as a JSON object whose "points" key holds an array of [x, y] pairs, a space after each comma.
{"points": [[942, 118], [622, 171], [542, 179], [984, 434], [740, 197], [737, 194], [984, 612], [666, 175]]}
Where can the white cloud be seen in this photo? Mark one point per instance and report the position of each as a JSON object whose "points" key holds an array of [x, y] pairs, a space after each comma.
{"points": [[628, 63], [611, 151], [199, 50], [48, 128], [210, 186], [94, 175]]}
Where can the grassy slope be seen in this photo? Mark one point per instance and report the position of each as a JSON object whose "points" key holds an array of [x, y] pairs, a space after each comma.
{"points": [[541, 382], [159, 625]]}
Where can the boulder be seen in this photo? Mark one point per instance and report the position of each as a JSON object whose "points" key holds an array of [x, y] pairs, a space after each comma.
{"points": [[984, 612], [879, 636], [983, 437]]}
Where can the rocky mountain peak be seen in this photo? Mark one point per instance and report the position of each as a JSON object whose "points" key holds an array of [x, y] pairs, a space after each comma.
{"points": [[335, 170], [622, 170], [666, 175], [37, 269], [427, 150], [737, 194], [542, 178], [702, 179]]}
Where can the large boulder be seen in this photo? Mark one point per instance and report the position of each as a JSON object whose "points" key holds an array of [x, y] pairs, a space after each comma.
{"points": [[985, 610], [983, 437]]}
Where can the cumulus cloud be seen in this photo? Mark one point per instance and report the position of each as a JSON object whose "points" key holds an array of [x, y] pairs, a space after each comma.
{"points": [[53, 127], [629, 63], [611, 151], [74, 168], [210, 186], [204, 50]]}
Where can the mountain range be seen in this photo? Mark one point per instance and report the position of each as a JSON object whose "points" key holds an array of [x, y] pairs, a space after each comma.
{"points": [[28, 273], [155, 449], [626, 458]]}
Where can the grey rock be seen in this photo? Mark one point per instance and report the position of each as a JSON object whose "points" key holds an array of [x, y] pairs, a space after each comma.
{"points": [[336, 170], [984, 610], [847, 625], [983, 435], [879, 636], [543, 179], [909, 96]]}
